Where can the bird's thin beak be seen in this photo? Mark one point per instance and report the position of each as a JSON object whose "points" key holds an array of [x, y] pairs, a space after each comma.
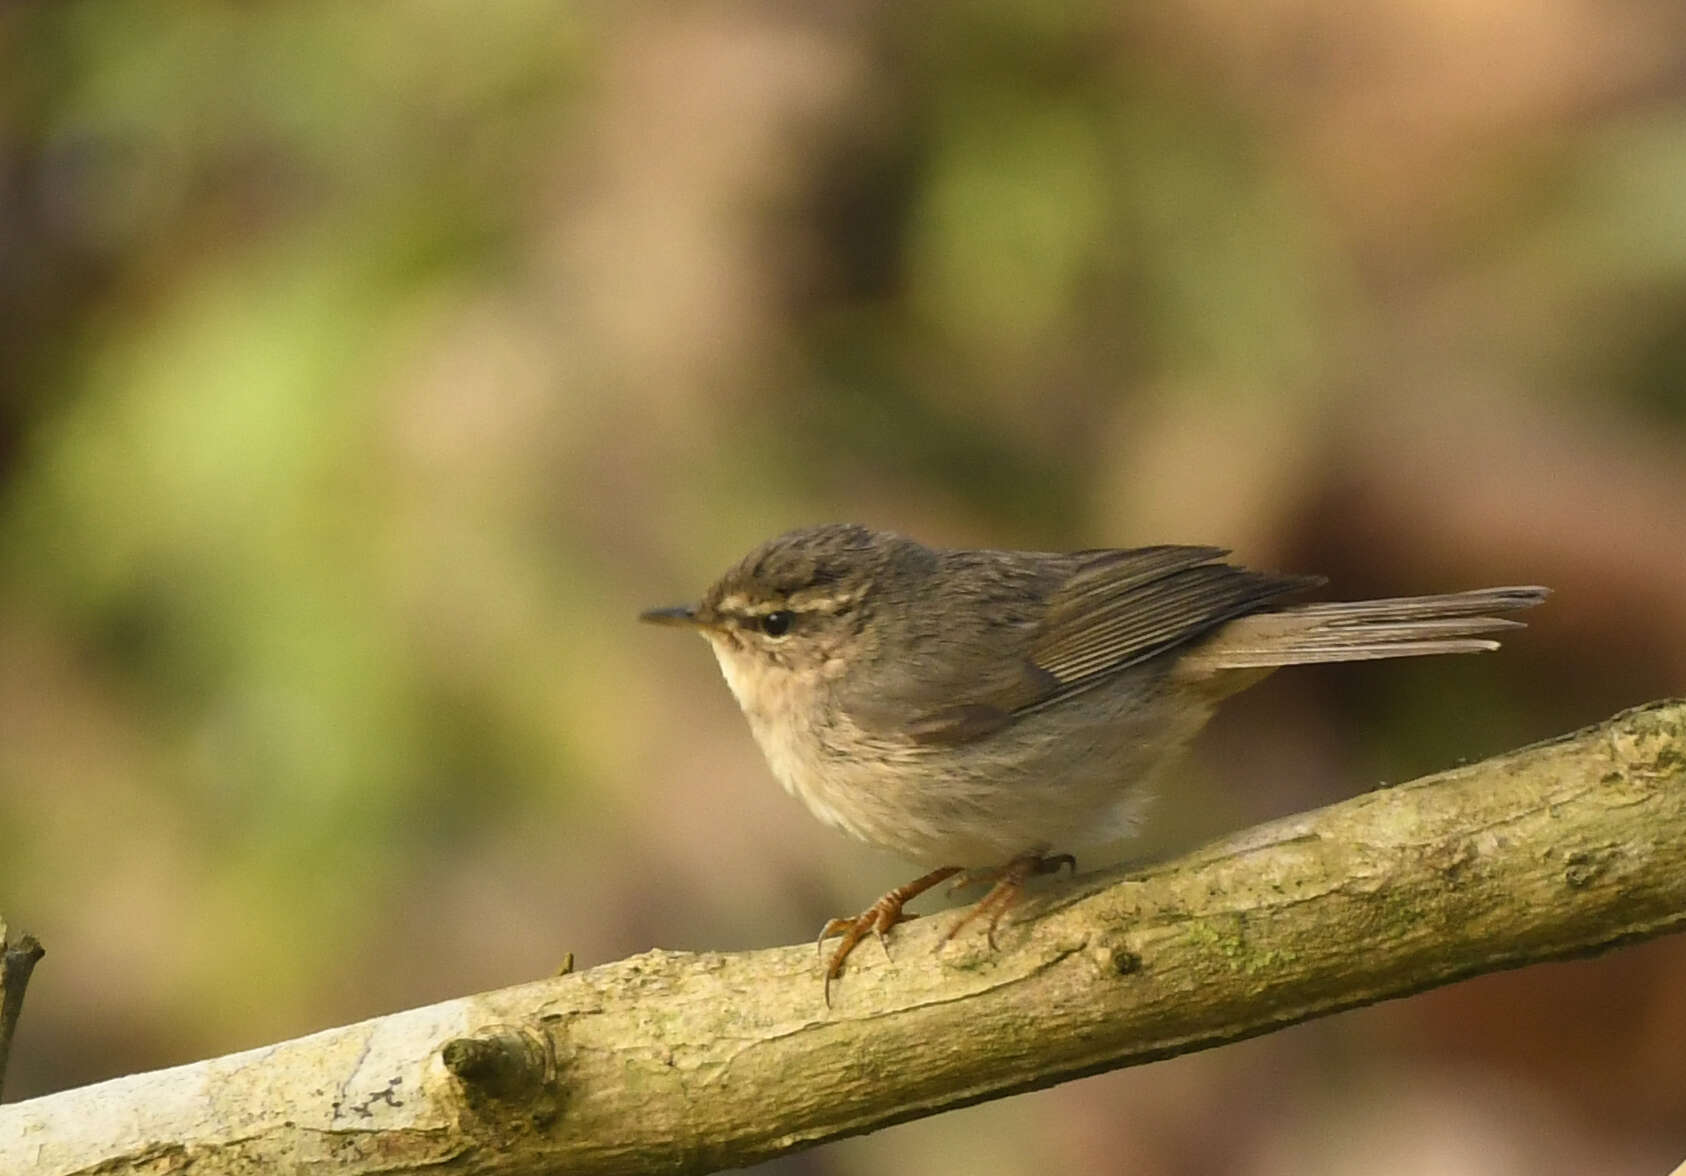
{"points": [[682, 615]]}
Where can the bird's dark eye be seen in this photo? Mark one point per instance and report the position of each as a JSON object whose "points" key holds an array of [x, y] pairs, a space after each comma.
{"points": [[777, 622]]}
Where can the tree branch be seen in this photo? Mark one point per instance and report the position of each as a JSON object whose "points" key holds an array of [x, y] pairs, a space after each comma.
{"points": [[687, 1063], [17, 960]]}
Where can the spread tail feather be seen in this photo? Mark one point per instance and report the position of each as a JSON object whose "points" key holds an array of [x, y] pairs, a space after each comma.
{"points": [[1361, 630]]}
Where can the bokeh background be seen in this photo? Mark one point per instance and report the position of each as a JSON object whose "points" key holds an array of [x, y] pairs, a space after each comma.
{"points": [[364, 369]]}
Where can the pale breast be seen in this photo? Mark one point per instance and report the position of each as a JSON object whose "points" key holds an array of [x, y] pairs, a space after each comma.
{"points": [[1058, 779], [778, 702]]}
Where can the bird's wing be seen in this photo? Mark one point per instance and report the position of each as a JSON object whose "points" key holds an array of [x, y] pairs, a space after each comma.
{"points": [[1112, 609]]}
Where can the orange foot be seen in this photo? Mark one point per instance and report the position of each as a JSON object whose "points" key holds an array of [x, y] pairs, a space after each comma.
{"points": [[877, 918], [1009, 884]]}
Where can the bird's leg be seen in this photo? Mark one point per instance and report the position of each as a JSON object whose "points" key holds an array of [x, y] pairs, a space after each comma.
{"points": [[877, 918], [1009, 883]]}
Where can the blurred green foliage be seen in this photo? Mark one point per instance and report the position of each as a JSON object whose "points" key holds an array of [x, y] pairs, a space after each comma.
{"points": [[364, 368]]}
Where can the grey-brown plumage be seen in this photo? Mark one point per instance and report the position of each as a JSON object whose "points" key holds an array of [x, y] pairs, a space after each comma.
{"points": [[965, 708], [961, 707]]}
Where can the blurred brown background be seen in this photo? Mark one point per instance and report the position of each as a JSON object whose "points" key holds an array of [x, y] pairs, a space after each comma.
{"points": [[365, 368]]}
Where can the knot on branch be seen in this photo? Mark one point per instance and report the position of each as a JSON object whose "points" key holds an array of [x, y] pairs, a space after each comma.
{"points": [[506, 1063]]}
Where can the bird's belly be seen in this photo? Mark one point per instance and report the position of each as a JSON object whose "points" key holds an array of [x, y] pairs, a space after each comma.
{"points": [[1046, 782]]}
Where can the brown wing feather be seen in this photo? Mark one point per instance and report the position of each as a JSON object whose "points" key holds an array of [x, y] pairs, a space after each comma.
{"points": [[1116, 612], [1116, 608]]}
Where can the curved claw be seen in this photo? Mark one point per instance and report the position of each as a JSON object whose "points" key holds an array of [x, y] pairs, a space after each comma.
{"points": [[878, 919], [1009, 882], [832, 927], [884, 914]]}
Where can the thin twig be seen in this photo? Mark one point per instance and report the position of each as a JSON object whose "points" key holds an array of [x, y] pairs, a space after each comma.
{"points": [[17, 960]]}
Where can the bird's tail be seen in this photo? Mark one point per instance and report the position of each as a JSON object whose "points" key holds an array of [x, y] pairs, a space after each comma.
{"points": [[1360, 630]]}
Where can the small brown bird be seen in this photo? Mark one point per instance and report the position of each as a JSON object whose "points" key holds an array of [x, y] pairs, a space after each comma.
{"points": [[976, 711]]}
